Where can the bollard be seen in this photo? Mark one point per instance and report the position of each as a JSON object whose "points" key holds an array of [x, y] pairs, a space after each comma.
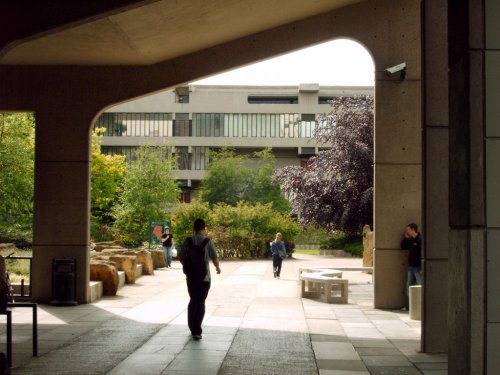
{"points": [[415, 302]]}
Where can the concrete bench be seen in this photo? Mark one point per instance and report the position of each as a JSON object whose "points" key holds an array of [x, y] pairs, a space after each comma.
{"points": [[324, 284], [368, 270], [334, 271]]}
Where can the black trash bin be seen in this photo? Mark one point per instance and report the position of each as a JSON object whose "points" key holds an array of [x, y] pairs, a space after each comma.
{"points": [[64, 282]]}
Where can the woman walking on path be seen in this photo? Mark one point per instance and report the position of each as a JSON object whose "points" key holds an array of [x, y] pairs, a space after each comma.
{"points": [[278, 251], [168, 243]]}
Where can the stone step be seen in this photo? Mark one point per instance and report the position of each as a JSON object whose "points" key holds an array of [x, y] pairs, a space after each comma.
{"points": [[121, 279], [95, 290], [138, 271]]}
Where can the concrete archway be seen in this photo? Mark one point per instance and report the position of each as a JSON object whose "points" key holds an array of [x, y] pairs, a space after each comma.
{"points": [[68, 97]]}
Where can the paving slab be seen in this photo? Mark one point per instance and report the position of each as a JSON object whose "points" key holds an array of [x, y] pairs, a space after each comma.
{"points": [[254, 324]]}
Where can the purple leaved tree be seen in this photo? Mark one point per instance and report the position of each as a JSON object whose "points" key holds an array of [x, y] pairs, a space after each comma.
{"points": [[335, 189]]}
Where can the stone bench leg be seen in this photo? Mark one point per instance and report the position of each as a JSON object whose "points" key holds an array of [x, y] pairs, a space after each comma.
{"points": [[340, 285], [309, 289]]}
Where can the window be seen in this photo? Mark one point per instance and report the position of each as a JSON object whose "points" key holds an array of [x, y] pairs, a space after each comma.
{"points": [[199, 160], [182, 94], [182, 125], [308, 151], [273, 99], [307, 125], [183, 99], [183, 158], [128, 151], [325, 99], [208, 124], [185, 196], [135, 124]]}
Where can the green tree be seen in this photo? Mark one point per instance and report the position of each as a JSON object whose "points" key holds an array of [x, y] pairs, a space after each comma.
{"points": [[17, 144], [184, 216], [230, 180], [227, 179], [106, 185], [149, 193], [263, 189]]}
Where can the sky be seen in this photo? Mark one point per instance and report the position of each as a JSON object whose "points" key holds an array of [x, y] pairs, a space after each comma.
{"points": [[336, 63]]}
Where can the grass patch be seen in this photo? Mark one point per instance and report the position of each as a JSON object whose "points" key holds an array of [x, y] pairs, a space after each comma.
{"points": [[307, 251]]}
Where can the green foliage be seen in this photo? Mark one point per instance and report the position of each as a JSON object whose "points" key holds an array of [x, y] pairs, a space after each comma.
{"points": [[263, 189], [349, 242], [183, 217], [311, 235], [106, 185], [21, 237], [355, 248], [245, 230], [17, 144], [227, 178], [241, 231], [149, 194], [230, 180]]}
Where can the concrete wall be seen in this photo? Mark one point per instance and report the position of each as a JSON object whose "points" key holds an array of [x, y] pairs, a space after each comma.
{"points": [[69, 98], [234, 99], [461, 135]]}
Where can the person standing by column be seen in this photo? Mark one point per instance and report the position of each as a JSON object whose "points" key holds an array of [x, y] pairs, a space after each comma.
{"points": [[194, 256], [412, 241], [168, 243], [278, 252]]}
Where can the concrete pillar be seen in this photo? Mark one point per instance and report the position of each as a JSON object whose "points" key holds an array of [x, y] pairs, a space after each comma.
{"points": [[485, 264], [474, 206], [435, 220], [398, 182], [62, 197]]}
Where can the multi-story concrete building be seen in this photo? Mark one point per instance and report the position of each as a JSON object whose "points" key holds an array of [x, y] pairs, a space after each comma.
{"points": [[194, 119]]}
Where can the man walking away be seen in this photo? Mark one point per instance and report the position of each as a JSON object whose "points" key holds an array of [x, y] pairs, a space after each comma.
{"points": [[194, 256]]}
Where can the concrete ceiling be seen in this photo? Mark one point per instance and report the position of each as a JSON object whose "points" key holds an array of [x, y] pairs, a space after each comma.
{"points": [[148, 32]]}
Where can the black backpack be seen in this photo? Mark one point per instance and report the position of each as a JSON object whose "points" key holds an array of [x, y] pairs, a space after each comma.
{"points": [[194, 265]]}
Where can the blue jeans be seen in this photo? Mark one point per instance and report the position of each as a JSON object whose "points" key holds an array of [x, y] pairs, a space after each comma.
{"points": [[414, 278], [168, 255], [277, 261]]}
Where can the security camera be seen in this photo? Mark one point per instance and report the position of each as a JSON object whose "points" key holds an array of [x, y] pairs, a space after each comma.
{"points": [[396, 68]]}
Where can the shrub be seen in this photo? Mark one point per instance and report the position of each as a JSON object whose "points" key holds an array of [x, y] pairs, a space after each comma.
{"points": [[355, 248], [184, 215], [22, 238], [311, 235], [240, 231], [350, 243], [246, 229]]}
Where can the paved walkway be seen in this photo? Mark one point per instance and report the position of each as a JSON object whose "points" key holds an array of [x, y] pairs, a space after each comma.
{"points": [[254, 324]]}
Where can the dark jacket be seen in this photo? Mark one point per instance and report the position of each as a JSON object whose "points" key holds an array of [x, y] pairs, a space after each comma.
{"points": [[413, 244]]}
